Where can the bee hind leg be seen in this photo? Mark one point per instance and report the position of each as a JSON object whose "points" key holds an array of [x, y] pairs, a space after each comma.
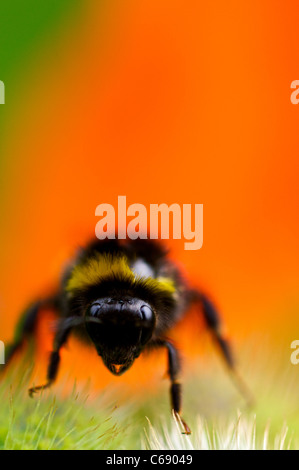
{"points": [[25, 328], [214, 324]]}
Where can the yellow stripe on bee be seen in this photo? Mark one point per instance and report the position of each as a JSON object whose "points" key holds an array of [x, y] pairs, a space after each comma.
{"points": [[101, 266], [167, 284], [98, 268]]}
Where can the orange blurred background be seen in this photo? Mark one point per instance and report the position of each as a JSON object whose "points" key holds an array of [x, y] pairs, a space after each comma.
{"points": [[164, 102]]}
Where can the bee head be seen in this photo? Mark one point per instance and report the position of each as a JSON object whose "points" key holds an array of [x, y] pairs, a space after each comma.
{"points": [[119, 329]]}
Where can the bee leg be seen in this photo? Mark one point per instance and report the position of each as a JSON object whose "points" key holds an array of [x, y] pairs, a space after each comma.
{"points": [[60, 339], [214, 324], [25, 328], [174, 367]]}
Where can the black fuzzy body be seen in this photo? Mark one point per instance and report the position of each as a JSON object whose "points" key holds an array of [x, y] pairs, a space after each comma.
{"points": [[122, 297], [154, 257]]}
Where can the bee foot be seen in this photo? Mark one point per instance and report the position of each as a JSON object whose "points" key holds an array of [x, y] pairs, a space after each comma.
{"points": [[182, 423], [38, 389]]}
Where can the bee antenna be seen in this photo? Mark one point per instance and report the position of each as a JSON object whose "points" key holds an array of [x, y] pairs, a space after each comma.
{"points": [[92, 320], [72, 322]]}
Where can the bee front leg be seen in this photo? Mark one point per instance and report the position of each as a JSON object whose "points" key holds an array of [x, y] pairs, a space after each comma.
{"points": [[61, 337], [174, 368], [51, 374]]}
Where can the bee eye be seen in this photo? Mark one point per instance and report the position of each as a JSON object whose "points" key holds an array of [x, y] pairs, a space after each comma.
{"points": [[94, 309], [147, 313]]}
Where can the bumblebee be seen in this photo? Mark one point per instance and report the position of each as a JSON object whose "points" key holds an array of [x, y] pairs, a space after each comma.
{"points": [[122, 297]]}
